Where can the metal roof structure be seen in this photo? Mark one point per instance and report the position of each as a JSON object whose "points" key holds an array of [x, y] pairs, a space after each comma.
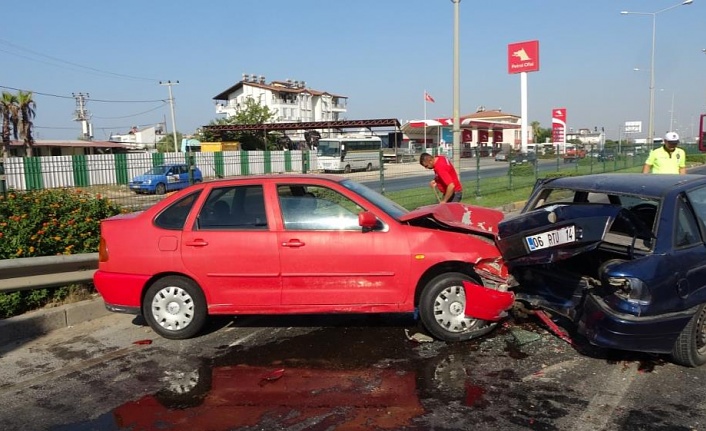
{"points": [[71, 143], [270, 127]]}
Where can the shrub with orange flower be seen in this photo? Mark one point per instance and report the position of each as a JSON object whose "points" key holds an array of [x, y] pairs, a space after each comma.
{"points": [[47, 223]]}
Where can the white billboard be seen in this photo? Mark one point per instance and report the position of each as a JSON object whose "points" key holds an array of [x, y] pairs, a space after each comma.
{"points": [[633, 127]]}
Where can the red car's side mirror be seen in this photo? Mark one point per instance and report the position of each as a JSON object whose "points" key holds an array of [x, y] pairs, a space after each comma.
{"points": [[367, 220]]}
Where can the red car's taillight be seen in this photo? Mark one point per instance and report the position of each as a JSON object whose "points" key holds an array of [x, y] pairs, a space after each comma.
{"points": [[102, 251]]}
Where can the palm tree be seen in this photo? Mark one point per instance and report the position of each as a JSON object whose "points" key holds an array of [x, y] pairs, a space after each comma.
{"points": [[535, 131], [8, 111], [26, 107]]}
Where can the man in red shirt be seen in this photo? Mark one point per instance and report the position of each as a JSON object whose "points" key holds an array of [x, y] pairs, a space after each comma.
{"points": [[445, 179]]}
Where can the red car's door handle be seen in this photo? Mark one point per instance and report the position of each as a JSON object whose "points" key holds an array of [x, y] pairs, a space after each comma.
{"points": [[196, 243], [293, 243]]}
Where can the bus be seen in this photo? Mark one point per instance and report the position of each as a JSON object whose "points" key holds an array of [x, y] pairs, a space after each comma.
{"points": [[702, 133], [347, 154]]}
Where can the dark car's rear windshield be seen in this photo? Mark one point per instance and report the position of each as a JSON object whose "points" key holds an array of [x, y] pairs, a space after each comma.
{"points": [[562, 195]]}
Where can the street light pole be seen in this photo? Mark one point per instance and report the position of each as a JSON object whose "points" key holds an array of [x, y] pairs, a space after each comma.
{"points": [[671, 115], [456, 95], [650, 127], [171, 107], [704, 51]]}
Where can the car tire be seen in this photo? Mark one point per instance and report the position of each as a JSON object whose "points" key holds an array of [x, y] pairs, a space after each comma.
{"points": [[160, 189], [369, 167], [175, 307], [690, 348], [347, 169], [442, 306]]}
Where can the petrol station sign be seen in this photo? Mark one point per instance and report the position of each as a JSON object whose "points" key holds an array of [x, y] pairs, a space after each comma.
{"points": [[559, 125], [523, 57]]}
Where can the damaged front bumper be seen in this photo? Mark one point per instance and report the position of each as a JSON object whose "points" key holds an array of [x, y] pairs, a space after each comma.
{"points": [[486, 304]]}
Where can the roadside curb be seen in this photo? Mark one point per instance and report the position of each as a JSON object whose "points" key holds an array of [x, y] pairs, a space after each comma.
{"points": [[40, 322]]}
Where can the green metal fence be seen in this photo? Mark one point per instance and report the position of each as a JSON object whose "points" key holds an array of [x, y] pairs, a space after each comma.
{"points": [[109, 174]]}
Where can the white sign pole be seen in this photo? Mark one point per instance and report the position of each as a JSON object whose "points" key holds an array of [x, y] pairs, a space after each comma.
{"points": [[523, 108]]}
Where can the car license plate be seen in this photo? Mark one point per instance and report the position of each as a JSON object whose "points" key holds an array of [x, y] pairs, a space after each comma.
{"points": [[552, 238]]}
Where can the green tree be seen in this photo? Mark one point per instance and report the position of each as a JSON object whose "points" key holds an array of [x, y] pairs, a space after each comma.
{"points": [[9, 113], [544, 135], [535, 131], [251, 113], [26, 107], [166, 144]]}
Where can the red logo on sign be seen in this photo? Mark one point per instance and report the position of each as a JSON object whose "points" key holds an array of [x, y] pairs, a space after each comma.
{"points": [[523, 56]]}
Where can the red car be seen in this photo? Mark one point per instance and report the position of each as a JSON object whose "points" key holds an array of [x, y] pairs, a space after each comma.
{"points": [[304, 244]]}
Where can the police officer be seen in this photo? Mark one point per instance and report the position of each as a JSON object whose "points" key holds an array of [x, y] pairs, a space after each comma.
{"points": [[667, 159]]}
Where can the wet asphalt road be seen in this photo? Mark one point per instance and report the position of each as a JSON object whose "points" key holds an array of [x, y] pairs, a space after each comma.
{"points": [[336, 373]]}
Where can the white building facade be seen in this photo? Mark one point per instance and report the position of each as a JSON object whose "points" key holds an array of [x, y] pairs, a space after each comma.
{"points": [[291, 101], [137, 139], [595, 138]]}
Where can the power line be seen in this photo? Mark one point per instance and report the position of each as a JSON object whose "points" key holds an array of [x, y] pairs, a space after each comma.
{"points": [[52, 127], [92, 100], [80, 66], [114, 127], [128, 116]]}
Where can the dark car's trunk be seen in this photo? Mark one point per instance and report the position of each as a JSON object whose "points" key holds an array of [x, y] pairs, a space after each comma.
{"points": [[559, 277]]}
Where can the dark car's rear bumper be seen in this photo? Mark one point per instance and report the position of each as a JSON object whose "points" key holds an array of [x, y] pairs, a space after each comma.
{"points": [[605, 327]]}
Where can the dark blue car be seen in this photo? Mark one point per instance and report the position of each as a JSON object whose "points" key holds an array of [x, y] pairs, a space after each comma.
{"points": [[164, 178], [622, 256]]}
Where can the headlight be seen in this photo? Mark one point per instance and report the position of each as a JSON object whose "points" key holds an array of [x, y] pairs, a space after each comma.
{"points": [[630, 289], [148, 182]]}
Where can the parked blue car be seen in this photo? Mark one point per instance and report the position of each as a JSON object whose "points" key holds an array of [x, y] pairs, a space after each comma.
{"points": [[164, 178], [621, 256]]}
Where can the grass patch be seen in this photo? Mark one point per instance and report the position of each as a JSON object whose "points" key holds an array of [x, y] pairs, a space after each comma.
{"points": [[498, 191]]}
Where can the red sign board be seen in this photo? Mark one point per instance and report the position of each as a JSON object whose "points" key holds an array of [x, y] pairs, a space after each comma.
{"points": [[559, 125], [523, 57]]}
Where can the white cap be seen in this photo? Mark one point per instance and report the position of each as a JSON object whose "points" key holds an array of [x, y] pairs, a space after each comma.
{"points": [[671, 137]]}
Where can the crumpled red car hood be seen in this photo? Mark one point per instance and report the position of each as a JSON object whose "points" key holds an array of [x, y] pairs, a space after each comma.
{"points": [[459, 215]]}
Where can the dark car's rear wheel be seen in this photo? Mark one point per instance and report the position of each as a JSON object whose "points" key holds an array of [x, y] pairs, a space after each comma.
{"points": [[175, 307], [160, 189], [442, 309], [690, 348]]}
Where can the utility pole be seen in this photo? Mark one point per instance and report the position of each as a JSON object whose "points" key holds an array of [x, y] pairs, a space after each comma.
{"points": [[456, 91], [82, 115], [171, 107]]}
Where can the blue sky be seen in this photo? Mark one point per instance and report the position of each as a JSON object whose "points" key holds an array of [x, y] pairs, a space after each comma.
{"points": [[381, 54]]}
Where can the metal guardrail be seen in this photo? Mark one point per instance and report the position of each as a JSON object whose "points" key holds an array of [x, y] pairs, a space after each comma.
{"points": [[29, 273]]}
